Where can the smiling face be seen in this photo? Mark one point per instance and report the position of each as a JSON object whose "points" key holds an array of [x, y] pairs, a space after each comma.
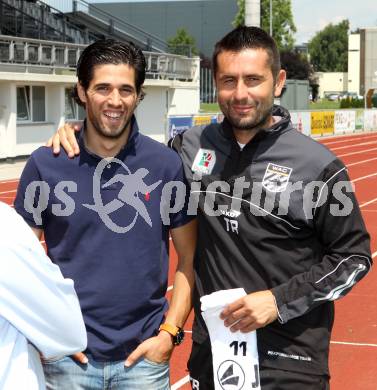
{"points": [[246, 88], [110, 100]]}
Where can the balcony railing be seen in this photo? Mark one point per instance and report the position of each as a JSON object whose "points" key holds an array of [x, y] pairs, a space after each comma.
{"points": [[51, 55]]}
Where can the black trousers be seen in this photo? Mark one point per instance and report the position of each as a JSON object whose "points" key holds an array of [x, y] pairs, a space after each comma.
{"points": [[201, 374]]}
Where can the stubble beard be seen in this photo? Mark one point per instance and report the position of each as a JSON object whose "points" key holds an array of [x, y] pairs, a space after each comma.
{"points": [[110, 134], [102, 131], [255, 123]]}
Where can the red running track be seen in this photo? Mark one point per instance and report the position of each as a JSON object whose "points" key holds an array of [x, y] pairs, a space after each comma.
{"points": [[353, 353]]}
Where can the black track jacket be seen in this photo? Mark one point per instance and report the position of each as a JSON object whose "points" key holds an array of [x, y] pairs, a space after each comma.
{"points": [[293, 226]]}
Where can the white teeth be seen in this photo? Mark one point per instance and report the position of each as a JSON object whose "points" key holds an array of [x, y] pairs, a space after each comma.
{"points": [[112, 115]]}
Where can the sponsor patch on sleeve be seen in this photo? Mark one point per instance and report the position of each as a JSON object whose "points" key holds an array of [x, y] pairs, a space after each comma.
{"points": [[204, 161]]}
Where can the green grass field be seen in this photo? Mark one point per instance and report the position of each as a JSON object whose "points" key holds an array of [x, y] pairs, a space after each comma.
{"points": [[324, 104], [209, 107]]}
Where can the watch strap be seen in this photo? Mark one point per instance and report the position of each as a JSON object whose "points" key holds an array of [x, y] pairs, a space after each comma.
{"points": [[173, 330]]}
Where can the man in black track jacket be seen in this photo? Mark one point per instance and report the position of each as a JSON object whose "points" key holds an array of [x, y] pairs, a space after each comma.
{"points": [[277, 216]]}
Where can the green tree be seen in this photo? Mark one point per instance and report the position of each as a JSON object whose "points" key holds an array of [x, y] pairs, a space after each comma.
{"points": [[283, 26], [239, 20], [182, 43], [328, 49], [296, 65]]}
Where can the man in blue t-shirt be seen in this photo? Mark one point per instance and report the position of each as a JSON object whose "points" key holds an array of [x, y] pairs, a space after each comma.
{"points": [[106, 217]]}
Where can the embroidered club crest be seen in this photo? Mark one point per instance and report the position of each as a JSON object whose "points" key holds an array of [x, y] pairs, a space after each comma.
{"points": [[276, 177], [204, 161]]}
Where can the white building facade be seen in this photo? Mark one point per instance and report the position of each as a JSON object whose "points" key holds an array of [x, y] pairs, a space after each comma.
{"points": [[362, 61], [331, 82]]}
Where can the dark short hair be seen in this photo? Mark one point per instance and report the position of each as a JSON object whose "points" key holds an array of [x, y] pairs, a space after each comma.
{"points": [[242, 38], [110, 51]]}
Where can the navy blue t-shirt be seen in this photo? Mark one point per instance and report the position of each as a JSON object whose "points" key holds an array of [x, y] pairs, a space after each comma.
{"points": [[103, 227]]}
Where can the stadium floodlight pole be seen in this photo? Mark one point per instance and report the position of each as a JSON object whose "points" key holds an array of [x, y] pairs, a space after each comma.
{"points": [[252, 13], [271, 17]]}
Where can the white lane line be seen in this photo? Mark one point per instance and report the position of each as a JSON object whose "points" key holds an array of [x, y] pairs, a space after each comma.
{"points": [[359, 152], [180, 383], [350, 140], [354, 145], [8, 192], [354, 344], [361, 162], [363, 177], [369, 202], [169, 288], [9, 181], [347, 138], [374, 255]]}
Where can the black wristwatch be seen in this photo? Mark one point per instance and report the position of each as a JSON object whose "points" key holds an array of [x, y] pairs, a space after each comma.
{"points": [[177, 333]]}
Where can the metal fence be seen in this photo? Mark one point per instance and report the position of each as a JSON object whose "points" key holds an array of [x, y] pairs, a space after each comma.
{"points": [[60, 55], [33, 52], [207, 86]]}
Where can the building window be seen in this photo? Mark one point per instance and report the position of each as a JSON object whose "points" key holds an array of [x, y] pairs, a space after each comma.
{"points": [[72, 110], [23, 108], [31, 104]]}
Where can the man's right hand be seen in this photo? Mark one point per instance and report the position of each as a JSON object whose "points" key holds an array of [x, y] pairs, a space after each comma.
{"points": [[65, 136], [80, 358]]}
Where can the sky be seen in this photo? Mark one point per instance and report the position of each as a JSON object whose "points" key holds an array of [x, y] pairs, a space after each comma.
{"points": [[311, 16]]}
